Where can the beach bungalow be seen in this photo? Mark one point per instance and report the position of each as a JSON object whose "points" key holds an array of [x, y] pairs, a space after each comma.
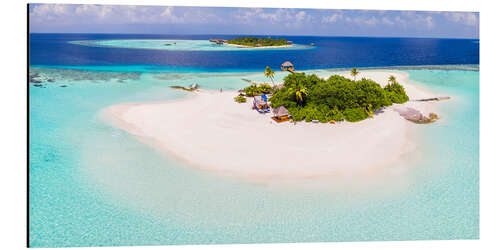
{"points": [[280, 114], [287, 66], [260, 103]]}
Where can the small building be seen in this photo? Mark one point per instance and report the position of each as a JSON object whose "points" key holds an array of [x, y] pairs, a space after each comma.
{"points": [[280, 114], [218, 41], [287, 66], [289, 42], [312, 44]]}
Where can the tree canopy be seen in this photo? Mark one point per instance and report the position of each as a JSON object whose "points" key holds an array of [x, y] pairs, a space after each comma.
{"points": [[312, 98], [253, 41]]}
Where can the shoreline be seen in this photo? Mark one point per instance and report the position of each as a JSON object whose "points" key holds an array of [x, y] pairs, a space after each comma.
{"points": [[211, 132]]}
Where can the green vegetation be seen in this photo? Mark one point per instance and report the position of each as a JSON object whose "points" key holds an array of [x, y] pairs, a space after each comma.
{"points": [[354, 73], [269, 74], [308, 97], [254, 41], [255, 89], [395, 91], [240, 99]]}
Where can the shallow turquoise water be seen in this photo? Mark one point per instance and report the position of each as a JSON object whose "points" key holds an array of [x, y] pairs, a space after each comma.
{"points": [[93, 185], [185, 45]]}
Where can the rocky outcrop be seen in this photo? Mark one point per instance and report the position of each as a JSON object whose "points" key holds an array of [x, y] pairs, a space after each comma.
{"points": [[191, 88], [416, 116]]}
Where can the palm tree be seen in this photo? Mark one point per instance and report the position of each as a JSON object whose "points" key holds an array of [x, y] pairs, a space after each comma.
{"points": [[354, 73], [300, 94], [269, 74], [392, 79]]}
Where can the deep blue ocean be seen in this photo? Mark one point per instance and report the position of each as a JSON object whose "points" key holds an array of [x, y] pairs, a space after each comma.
{"points": [[330, 52]]}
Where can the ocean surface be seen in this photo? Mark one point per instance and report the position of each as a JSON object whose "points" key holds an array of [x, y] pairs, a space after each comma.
{"points": [[94, 185], [329, 52]]}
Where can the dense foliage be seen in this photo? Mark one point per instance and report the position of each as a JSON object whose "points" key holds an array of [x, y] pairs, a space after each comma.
{"points": [[312, 98], [253, 41], [240, 99], [396, 92], [255, 89]]}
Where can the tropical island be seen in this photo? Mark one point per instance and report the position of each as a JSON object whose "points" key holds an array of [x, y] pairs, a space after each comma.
{"points": [[350, 117], [259, 42]]}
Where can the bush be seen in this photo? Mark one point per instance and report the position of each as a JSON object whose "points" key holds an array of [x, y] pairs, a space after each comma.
{"points": [[240, 99], [396, 93], [261, 89], [296, 113], [334, 114], [355, 114]]}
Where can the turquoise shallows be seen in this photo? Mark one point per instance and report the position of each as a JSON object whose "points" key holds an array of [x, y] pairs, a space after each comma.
{"points": [[185, 45], [94, 185]]}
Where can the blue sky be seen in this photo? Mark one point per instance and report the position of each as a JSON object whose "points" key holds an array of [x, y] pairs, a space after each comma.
{"points": [[70, 18]]}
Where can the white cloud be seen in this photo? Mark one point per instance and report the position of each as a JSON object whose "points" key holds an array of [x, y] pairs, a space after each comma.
{"points": [[332, 18], [372, 21], [467, 18], [387, 21], [427, 21], [117, 14], [285, 17]]}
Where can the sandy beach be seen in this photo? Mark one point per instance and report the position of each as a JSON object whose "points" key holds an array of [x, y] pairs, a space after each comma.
{"points": [[210, 131]]}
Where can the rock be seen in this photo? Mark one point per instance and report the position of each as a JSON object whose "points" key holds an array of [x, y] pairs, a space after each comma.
{"points": [[63, 86], [38, 85], [416, 116]]}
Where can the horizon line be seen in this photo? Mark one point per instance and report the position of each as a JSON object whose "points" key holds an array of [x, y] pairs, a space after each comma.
{"points": [[346, 36]]}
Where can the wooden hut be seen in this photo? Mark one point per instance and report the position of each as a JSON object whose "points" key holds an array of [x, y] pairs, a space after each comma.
{"points": [[287, 66], [280, 114]]}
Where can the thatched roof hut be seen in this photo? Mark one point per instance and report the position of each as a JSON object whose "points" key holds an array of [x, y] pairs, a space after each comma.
{"points": [[280, 111], [287, 66]]}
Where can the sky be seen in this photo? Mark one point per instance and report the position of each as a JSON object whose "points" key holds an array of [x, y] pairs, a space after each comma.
{"points": [[131, 19]]}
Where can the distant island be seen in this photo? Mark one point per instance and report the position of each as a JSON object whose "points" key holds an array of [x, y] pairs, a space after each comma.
{"points": [[259, 42]]}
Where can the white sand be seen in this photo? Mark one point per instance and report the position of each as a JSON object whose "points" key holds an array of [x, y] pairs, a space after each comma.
{"points": [[212, 132]]}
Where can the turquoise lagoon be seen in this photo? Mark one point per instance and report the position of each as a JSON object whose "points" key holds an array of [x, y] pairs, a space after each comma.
{"points": [[93, 185], [181, 45]]}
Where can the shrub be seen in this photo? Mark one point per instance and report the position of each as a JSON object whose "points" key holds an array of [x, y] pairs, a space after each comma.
{"points": [[296, 113], [396, 93], [240, 99], [355, 114], [254, 90]]}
